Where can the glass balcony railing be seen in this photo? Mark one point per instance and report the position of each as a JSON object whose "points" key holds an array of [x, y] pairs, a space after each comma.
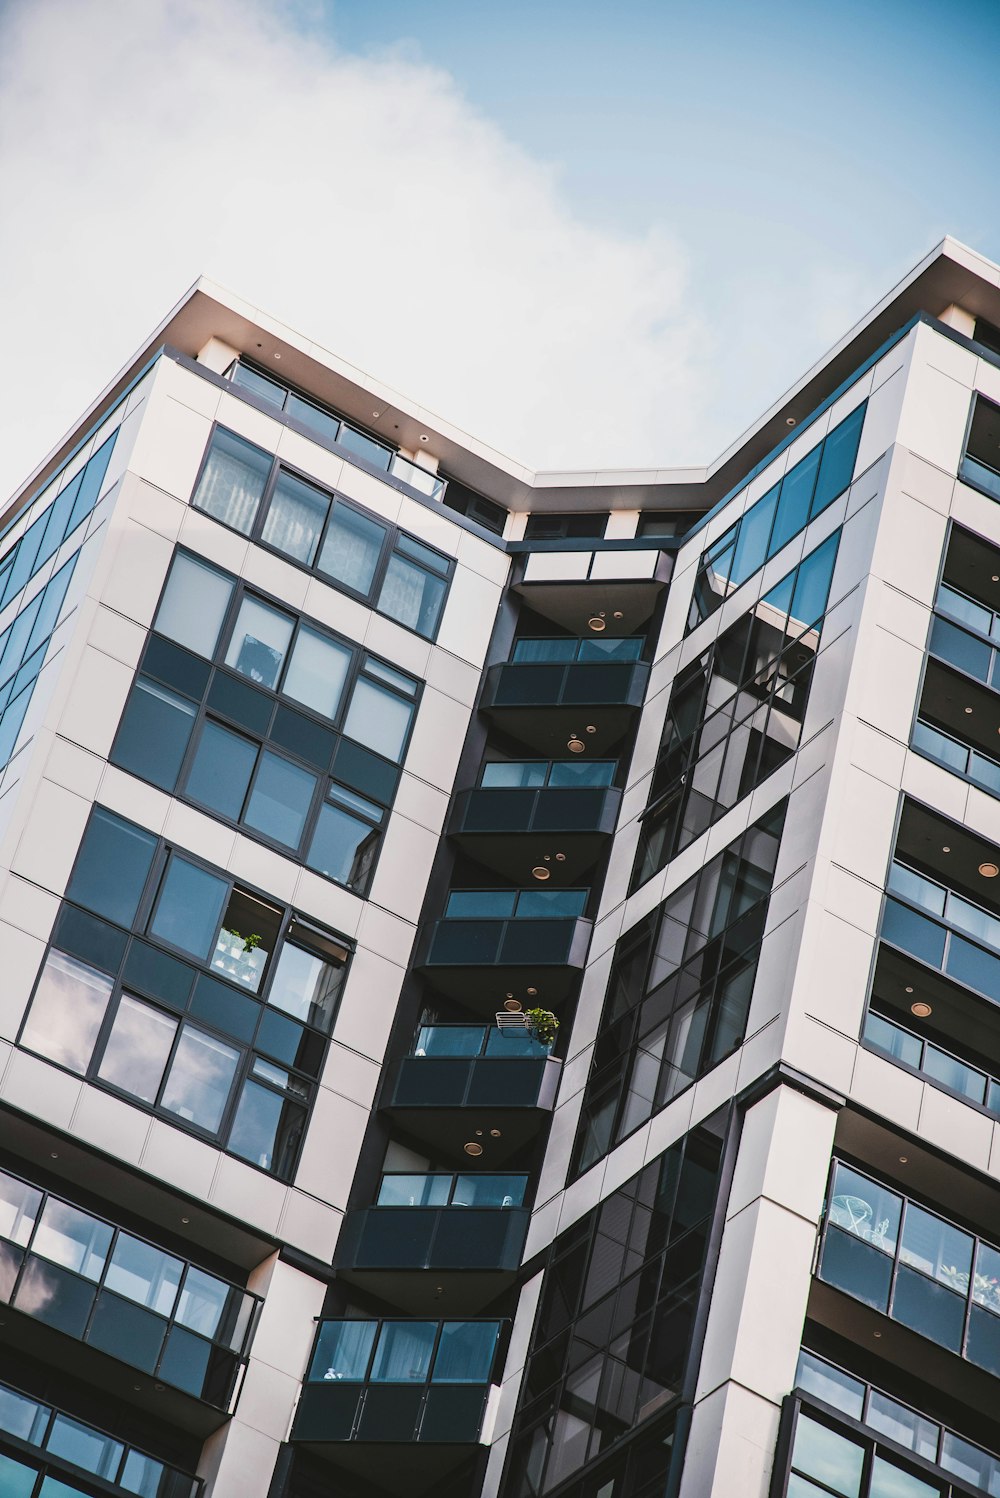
{"points": [[879, 1447], [564, 648], [461, 1041], [456, 1066], [954, 755], [553, 774], [94, 1282], [568, 677], [508, 929], [923, 1271], [968, 652], [327, 424], [516, 904], [939, 1066], [934, 924], [442, 1189], [398, 1381]]}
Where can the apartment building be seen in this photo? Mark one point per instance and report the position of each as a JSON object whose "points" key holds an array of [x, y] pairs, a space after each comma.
{"points": [[501, 968]]}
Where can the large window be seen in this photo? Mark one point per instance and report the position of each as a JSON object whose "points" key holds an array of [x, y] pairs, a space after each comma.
{"points": [[247, 489], [267, 721], [613, 1328], [404, 1352], [130, 1299], [912, 1265], [736, 713], [805, 492], [193, 997], [679, 992], [980, 464]]}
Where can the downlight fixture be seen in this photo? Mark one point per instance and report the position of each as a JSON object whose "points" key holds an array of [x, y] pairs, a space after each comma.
{"points": [[512, 1005], [541, 872], [597, 622], [921, 1009], [989, 870], [575, 744], [472, 1148]]}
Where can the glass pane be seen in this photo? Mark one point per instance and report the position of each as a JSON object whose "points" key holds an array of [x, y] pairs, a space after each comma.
{"points": [[550, 904], [449, 1040], [73, 1239], [295, 518], [22, 1417], [84, 1447], [144, 1274], [527, 773], [751, 545], [312, 416], [233, 481], [955, 1074], [280, 799], [221, 769], [19, 1204], [67, 1011], [903, 1425], [111, 867], [352, 548], [827, 1456], [317, 672], [481, 903], [154, 734], [259, 384], [812, 583], [928, 1308], [145, 1476], [414, 1191], [910, 885], [598, 772], [403, 1354], [189, 908], [378, 719], [259, 642], [267, 1127], [342, 1351], [893, 1041], [840, 450], [970, 1463], [890, 1481], [343, 847], [986, 1286], [138, 1049], [16, 1480], [489, 1191], [306, 986], [194, 604], [830, 1384], [202, 1302], [957, 606], [200, 1079], [465, 1352], [864, 1208], [936, 1248], [412, 596]]}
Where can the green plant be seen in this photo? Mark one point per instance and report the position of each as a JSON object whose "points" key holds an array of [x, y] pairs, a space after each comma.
{"points": [[250, 943], [543, 1025]]}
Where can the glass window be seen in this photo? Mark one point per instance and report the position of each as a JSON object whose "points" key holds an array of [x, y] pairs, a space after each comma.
{"points": [[936, 1248], [72, 1238], [259, 642], [143, 1475], [343, 1349], [305, 986], [154, 733], [295, 518], [489, 1190], [414, 1190], [317, 672], [111, 867], [890, 1481], [233, 480], [465, 1352], [352, 549], [280, 799], [22, 1417], [144, 1274], [840, 451], [260, 385], [912, 886], [410, 592], [343, 846], [19, 1204], [830, 1384], [812, 583], [903, 1425], [200, 1079], [202, 1303], [986, 1290], [305, 411], [16, 1480], [482, 904], [67, 1011], [864, 1208], [189, 908], [829, 1457], [138, 1049], [378, 719], [194, 604], [84, 1447], [220, 772], [267, 1127], [526, 774], [403, 1354]]}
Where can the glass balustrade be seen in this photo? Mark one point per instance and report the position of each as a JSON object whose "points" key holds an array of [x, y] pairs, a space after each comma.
{"points": [[561, 649], [534, 774], [437, 1189], [937, 1065], [470, 1041]]}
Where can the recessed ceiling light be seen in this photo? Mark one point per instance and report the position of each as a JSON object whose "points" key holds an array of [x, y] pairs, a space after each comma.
{"points": [[597, 624], [591, 727], [876, 1335], [903, 1159], [424, 437], [989, 870], [946, 848], [560, 858], [995, 578], [512, 1005], [472, 1148], [277, 356], [909, 988], [921, 1010], [575, 745], [968, 709], [532, 992], [495, 1134], [541, 872], [185, 1220], [789, 421], [618, 614]]}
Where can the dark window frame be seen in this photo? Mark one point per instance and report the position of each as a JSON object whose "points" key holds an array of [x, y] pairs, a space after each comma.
{"points": [[389, 546]]}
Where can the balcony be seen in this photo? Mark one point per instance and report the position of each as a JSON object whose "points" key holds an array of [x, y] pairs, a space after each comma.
{"points": [[401, 1402], [558, 691], [526, 811], [980, 466], [470, 1227], [619, 585], [491, 943], [97, 1301], [466, 1080]]}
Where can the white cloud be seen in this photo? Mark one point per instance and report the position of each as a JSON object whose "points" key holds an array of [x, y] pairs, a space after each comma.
{"points": [[363, 200]]}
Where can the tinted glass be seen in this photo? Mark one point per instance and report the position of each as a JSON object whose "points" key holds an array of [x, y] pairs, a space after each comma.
{"points": [[138, 1049], [866, 1209], [72, 1238], [112, 866], [266, 1127], [280, 799], [342, 846], [412, 596], [202, 1302], [259, 642], [828, 1456], [189, 908], [67, 1011], [144, 1274], [352, 549], [200, 1079], [154, 734], [317, 672], [403, 1352], [194, 604], [233, 481], [378, 719], [19, 1204], [305, 986], [342, 1351], [465, 1352], [221, 769], [295, 518]]}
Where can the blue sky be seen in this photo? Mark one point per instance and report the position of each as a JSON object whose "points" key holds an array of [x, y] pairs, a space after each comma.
{"points": [[588, 233]]}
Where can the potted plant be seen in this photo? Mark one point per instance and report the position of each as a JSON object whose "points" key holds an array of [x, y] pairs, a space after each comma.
{"points": [[543, 1025], [242, 956]]}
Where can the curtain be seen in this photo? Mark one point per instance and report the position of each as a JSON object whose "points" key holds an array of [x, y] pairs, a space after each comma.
{"points": [[295, 519], [230, 489]]}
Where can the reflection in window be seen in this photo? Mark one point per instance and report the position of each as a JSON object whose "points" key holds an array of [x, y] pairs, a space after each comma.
{"points": [[189, 907], [200, 1080], [259, 642], [295, 518], [233, 480], [194, 604], [138, 1049], [414, 588], [352, 549], [67, 1011]]}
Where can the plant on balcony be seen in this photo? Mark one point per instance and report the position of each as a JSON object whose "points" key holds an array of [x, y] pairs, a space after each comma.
{"points": [[543, 1025]]}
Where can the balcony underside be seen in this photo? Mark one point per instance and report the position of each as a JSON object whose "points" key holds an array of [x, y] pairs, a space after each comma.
{"points": [[446, 1261], [548, 728], [445, 1101], [570, 602], [514, 830], [393, 1468], [432, 1292], [480, 973]]}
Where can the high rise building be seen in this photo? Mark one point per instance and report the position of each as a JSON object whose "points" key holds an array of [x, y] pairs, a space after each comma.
{"points": [[500, 969]]}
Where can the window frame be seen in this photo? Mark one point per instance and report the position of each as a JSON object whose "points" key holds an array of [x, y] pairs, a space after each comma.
{"points": [[293, 928], [393, 533]]}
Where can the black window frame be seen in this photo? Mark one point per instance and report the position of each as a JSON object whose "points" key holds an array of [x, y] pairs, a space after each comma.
{"points": [[294, 928], [207, 711], [389, 546]]}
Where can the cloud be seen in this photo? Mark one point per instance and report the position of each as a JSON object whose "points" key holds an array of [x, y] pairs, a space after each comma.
{"points": [[361, 199]]}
